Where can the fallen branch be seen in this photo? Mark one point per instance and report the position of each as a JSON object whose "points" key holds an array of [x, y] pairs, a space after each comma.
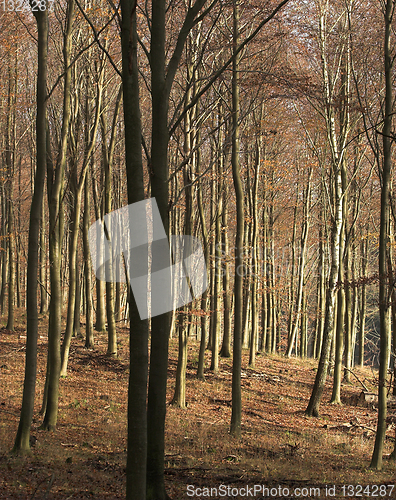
{"points": [[49, 485], [357, 378], [51, 478]]}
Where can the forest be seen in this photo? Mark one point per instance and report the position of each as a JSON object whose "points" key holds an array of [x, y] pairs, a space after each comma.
{"points": [[265, 130]]}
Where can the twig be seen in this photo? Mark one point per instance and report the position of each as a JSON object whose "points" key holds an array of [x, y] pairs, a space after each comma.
{"points": [[357, 378], [49, 485], [40, 483], [12, 352]]}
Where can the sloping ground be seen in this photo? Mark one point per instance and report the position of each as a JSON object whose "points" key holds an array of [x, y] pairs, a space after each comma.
{"points": [[280, 450]]}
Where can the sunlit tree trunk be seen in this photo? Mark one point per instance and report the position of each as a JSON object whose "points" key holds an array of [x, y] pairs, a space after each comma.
{"points": [[320, 312], [89, 338], [301, 268], [55, 179], [204, 298], [179, 398], [108, 155], [337, 151], [218, 199], [255, 315], [363, 298]]}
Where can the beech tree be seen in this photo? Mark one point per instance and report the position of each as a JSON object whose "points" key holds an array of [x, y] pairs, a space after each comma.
{"points": [[22, 439], [384, 303]]}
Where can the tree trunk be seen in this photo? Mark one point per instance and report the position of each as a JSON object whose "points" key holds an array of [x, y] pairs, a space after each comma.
{"points": [[204, 298], [337, 147], [301, 269], [138, 342], [238, 279], [384, 306], [54, 192], [363, 300], [160, 325], [225, 351], [253, 342], [23, 434], [89, 338], [321, 297], [10, 159], [43, 261]]}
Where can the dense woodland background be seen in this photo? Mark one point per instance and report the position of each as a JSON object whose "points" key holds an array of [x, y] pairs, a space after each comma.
{"points": [[265, 129]]}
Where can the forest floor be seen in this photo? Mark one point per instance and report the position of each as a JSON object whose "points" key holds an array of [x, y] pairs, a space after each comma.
{"points": [[280, 448]]}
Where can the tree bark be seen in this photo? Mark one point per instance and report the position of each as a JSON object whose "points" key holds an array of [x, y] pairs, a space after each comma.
{"points": [[384, 302], [89, 337], [138, 342], [23, 434], [238, 278]]}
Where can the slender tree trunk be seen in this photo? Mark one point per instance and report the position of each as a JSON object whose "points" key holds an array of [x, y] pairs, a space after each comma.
{"points": [[10, 159], [293, 267], [89, 338], [255, 318], [43, 260], [384, 306], [225, 351], [321, 298], [54, 191], [238, 279], [4, 253], [264, 308], [77, 305], [339, 340], [100, 318], [179, 398], [23, 434], [204, 298], [337, 145], [214, 366], [304, 325], [301, 269], [363, 300], [11, 268]]}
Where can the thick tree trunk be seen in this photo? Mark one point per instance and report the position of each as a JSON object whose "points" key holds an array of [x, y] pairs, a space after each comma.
{"points": [[138, 342]]}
